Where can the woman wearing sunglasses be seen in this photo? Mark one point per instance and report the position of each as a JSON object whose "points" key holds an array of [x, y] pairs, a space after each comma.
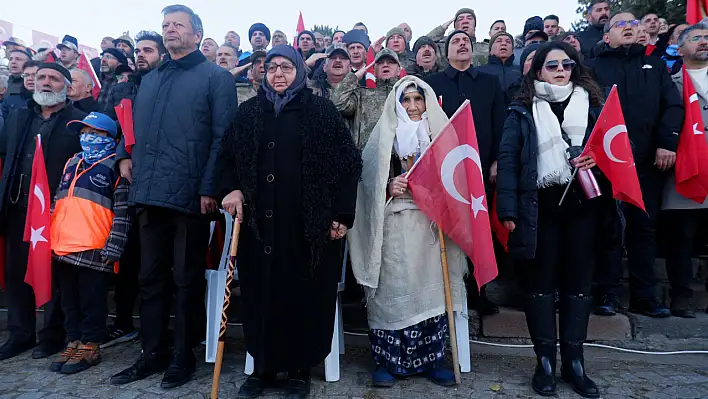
{"points": [[548, 123]]}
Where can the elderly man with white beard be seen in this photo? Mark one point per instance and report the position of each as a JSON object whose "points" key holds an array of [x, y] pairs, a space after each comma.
{"points": [[47, 114]]}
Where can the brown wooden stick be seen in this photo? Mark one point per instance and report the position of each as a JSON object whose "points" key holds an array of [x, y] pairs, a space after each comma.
{"points": [[448, 307], [224, 318]]}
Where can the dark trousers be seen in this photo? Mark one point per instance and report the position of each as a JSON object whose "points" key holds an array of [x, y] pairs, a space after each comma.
{"points": [[127, 288], [683, 227], [565, 246], [84, 293], [21, 311], [174, 248], [640, 242]]}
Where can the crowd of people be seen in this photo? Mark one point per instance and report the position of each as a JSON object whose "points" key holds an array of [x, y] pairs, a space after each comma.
{"points": [[294, 141]]}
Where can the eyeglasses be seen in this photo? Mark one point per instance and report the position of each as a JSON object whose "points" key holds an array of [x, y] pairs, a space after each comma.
{"points": [[552, 66], [621, 24], [286, 68], [696, 39], [28, 75]]}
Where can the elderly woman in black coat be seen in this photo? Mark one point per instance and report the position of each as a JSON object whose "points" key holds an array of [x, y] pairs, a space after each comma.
{"points": [[293, 182], [548, 124]]}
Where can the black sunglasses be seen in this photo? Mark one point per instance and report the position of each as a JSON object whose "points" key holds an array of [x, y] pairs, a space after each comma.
{"points": [[552, 66]]}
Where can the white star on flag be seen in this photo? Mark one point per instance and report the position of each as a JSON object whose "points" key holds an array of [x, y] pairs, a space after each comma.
{"points": [[478, 205], [695, 129], [37, 236]]}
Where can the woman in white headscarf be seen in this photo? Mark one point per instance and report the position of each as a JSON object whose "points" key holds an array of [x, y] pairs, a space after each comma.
{"points": [[394, 248]]}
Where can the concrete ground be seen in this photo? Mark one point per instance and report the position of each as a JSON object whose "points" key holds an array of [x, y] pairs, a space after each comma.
{"points": [[497, 373]]}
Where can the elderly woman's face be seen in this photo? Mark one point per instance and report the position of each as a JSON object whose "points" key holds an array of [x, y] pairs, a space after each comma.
{"points": [[280, 73], [414, 103]]}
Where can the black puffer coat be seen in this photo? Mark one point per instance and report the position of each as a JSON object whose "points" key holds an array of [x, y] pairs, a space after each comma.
{"points": [[180, 114], [517, 191]]}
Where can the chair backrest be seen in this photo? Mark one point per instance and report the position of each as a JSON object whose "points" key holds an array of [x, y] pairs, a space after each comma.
{"points": [[223, 264]]}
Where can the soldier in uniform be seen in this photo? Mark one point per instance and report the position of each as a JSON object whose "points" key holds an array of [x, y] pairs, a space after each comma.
{"points": [[361, 106], [465, 20], [246, 90]]}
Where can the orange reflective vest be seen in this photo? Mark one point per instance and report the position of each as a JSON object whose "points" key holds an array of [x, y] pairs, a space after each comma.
{"points": [[83, 213]]}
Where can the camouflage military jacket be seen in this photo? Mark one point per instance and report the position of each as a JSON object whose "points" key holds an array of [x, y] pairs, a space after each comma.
{"points": [[480, 50], [245, 91], [361, 106]]}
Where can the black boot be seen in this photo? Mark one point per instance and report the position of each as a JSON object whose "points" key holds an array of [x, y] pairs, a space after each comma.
{"points": [[573, 326], [541, 320]]}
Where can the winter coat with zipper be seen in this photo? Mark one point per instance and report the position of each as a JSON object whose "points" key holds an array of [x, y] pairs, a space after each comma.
{"points": [[651, 105], [506, 72], [517, 189], [180, 114]]}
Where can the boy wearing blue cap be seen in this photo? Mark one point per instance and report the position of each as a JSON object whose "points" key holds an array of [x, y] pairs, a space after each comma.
{"points": [[89, 230]]}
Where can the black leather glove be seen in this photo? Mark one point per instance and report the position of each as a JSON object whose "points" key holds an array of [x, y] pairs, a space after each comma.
{"points": [[574, 151]]}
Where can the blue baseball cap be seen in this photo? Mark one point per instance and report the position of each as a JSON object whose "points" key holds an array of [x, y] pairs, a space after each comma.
{"points": [[97, 121]]}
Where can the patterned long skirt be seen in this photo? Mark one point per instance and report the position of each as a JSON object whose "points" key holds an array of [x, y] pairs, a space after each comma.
{"points": [[412, 350]]}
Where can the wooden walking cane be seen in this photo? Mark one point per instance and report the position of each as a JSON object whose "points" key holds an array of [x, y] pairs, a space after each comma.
{"points": [[224, 317], [448, 297], [448, 307]]}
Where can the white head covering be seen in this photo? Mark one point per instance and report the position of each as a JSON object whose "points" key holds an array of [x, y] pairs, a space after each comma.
{"points": [[412, 137]]}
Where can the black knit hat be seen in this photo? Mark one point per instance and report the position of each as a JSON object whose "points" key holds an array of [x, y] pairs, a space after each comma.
{"points": [[527, 51], [449, 38], [533, 23], [306, 32], [56, 67], [422, 41], [119, 54], [259, 27], [357, 36]]}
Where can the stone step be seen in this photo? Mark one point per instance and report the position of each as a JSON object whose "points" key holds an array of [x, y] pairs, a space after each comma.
{"points": [[511, 323]]}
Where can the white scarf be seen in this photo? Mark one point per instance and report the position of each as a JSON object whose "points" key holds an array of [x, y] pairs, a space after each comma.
{"points": [[412, 137], [553, 165], [700, 80]]}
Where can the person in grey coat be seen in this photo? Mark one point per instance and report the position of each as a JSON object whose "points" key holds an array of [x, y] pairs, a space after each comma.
{"points": [[685, 215]]}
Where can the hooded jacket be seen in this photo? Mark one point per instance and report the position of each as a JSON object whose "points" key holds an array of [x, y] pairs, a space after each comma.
{"points": [[650, 103]]}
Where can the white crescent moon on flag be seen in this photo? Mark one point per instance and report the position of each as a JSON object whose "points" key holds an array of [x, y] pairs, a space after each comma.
{"points": [[607, 142], [40, 196], [449, 164]]}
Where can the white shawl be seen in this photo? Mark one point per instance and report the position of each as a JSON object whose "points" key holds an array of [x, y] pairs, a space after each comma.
{"points": [[553, 166], [366, 237]]}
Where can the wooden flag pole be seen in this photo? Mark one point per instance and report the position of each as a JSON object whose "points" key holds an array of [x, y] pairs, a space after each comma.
{"points": [[448, 307], [224, 318]]}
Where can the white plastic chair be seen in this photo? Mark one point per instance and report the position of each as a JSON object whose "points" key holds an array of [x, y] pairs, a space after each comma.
{"points": [[337, 348], [216, 288]]}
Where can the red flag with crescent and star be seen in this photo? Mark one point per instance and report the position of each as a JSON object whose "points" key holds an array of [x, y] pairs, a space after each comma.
{"points": [[610, 148], [692, 154], [448, 186], [37, 226]]}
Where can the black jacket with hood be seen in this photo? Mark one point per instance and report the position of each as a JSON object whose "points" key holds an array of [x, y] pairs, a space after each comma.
{"points": [[506, 72], [652, 107]]}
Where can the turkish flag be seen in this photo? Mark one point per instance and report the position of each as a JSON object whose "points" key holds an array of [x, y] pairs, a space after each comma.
{"points": [[448, 186], [299, 29], [37, 227], [124, 112], [85, 65], [692, 154], [696, 10], [610, 148]]}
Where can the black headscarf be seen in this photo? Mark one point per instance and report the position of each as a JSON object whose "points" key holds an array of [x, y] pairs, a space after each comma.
{"points": [[281, 100]]}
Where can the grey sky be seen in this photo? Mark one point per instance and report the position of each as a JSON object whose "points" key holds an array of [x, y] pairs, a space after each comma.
{"points": [[89, 21]]}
